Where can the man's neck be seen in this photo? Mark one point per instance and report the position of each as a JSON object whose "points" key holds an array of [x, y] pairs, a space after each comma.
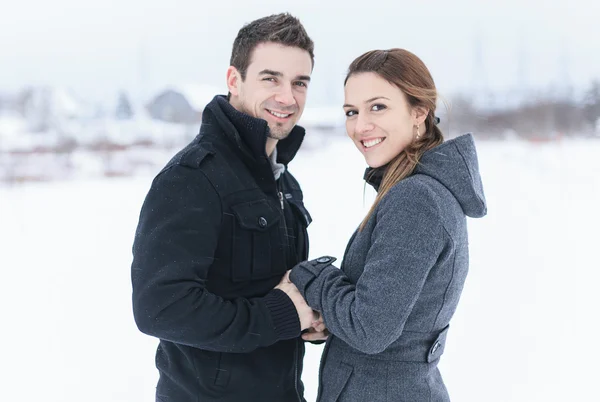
{"points": [[271, 144]]}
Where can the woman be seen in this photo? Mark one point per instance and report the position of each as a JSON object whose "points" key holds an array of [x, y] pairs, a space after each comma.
{"points": [[389, 306]]}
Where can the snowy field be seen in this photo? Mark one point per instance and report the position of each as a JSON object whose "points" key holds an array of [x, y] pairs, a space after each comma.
{"points": [[524, 331]]}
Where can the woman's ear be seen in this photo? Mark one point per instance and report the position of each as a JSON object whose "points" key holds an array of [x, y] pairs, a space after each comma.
{"points": [[419, 115]]}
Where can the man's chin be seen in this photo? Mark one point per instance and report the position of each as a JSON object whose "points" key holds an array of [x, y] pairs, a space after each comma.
{"points": [[278, 133], [278, 137]]}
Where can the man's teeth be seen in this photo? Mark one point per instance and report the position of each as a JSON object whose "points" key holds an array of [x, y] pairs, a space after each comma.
{"points": [[280, 115], [370, 143]]}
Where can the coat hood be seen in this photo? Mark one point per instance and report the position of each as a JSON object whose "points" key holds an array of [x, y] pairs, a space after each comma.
{"points": [[454, 164]]}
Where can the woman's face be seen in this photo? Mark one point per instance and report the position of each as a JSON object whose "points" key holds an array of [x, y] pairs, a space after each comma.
{"points": [[378, 118]]}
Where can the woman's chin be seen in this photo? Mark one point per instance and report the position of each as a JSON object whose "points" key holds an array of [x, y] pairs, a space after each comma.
{"points": [[374, 163]]}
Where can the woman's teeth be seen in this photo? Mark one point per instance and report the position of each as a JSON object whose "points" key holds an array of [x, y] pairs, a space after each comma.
{"points": [[371, 143]]}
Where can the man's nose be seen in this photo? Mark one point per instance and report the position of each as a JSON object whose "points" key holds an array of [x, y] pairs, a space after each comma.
{"points": [[285, 96]]}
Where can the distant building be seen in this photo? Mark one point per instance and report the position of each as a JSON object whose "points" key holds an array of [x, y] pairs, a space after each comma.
{"points": [[183, 105], [46, 107]]}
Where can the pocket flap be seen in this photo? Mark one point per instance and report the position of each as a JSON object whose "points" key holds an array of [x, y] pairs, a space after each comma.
{"points": [[301, 210], [256, 215]]}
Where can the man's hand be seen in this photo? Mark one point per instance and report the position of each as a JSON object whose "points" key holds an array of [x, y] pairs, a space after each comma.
{"points": [[307, 316]]}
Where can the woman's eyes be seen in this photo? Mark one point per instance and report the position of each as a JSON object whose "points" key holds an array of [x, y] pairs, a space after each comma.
{"points": [[378, 107], [375, 108]]}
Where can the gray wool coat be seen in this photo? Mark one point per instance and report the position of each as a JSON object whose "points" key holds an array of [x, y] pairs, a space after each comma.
{"points": [[389, 306]]}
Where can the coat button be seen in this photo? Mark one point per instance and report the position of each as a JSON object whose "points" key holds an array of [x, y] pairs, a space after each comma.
{"points": [[262, 222], [323, 260], [435, 347]]}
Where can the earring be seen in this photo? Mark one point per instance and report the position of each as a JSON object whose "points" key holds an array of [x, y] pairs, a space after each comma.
{"points": [[418, 134]]}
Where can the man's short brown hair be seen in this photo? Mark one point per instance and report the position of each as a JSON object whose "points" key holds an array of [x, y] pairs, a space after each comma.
{"points": [[278, 28]]}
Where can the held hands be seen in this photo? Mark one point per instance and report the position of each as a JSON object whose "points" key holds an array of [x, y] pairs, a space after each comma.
{"points": [[309, 319], [318, 331]]}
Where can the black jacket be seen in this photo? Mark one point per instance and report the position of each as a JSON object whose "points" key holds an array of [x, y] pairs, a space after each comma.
{"points": [[216, 233]]}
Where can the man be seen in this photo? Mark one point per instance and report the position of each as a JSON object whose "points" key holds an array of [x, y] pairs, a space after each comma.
{"points": [[221, 225]]}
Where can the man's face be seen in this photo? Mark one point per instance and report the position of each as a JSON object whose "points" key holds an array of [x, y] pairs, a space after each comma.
{"points": [[275, 86]]}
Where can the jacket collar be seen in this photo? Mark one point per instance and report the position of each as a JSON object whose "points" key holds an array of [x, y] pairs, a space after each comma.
{"points": [[250, 134], [374, 176]]}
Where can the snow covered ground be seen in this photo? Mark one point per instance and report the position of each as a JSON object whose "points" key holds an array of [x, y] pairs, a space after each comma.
{"points": [[524, 331]]}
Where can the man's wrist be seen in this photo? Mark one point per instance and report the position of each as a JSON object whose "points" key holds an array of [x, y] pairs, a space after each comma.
{"points": [[283, 314]]}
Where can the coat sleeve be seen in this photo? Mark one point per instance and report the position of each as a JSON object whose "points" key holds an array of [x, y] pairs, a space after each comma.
{"points": [[174, 247], [406, 242]]}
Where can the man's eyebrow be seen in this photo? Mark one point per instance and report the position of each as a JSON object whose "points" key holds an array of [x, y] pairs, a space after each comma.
{"points": [[274, 73], [368, 100], [270, 72]]}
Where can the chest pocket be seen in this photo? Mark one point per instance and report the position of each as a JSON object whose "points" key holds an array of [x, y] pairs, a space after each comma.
{"points": [[258, 247]]}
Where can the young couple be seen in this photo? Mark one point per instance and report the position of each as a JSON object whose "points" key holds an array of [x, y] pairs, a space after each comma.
{"points": [[220, 266]]}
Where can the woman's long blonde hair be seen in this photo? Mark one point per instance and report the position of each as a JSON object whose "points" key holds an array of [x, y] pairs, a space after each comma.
{"points": [[407, 72]]}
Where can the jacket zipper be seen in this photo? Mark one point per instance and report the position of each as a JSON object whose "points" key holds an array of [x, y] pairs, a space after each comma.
{"points": [[297, 345], [296, 371], [285, 228]]}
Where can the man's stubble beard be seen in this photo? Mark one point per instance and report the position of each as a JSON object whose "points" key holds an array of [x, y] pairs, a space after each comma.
{"points": [[277, 132]]}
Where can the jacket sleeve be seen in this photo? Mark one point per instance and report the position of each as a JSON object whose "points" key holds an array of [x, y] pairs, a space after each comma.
{"points": [[405, 244], [174, 247]]}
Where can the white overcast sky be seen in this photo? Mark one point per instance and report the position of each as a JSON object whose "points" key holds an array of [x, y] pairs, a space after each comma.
{"points": [[96, 47]]}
